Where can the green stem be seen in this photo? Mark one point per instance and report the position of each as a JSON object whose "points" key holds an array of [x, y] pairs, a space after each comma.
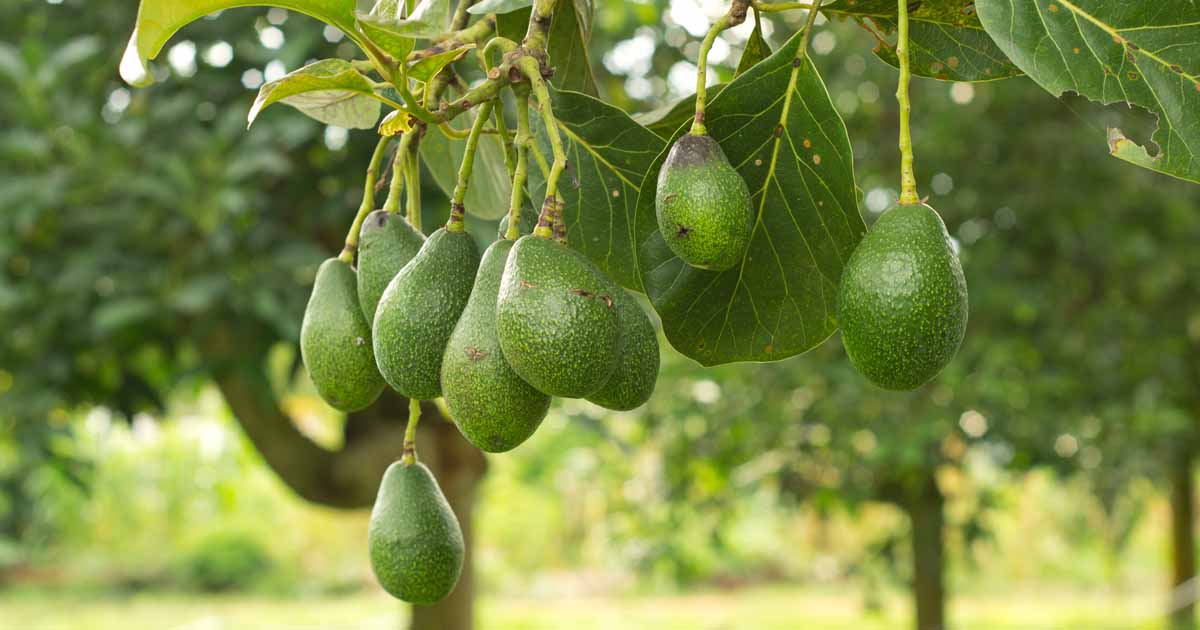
{"points": [[908, 181], [735, 16], [392, 205], [808, 29], [410, 432], [532, 70], [455, 223], [368, 202], [412, 172], [539, 25], [524, 137]]}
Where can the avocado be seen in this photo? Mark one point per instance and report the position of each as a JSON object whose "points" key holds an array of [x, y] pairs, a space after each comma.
{"points": [[633, 381], [414, 540], [335, 341], [525, 224], [556, 318], [493, 408], [418, 312], [902, 303], [703, 205], [386, 242]]}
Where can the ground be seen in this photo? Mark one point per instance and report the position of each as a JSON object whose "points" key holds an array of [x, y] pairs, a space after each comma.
{"points": [[760, 608]]}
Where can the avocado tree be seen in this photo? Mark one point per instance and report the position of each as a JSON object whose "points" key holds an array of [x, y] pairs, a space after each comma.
{"points": [[600, 229]]}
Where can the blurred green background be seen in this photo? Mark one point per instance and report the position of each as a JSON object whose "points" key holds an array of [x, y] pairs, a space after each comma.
{"points": [[164, 462]]}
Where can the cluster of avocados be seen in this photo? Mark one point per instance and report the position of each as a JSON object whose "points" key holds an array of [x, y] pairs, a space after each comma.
{"points": [[495, 336], [902, 302]]}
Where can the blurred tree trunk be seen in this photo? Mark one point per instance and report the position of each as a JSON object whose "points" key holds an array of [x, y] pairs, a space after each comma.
{"points": [[1183, 543], [349, 477], [926, 510]]}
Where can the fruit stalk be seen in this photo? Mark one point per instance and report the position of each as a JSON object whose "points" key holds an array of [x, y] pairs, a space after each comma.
{"points": [[412, 172], [908, 181], [808, 29], [410, 432], [524, 137], [455, 222], [533, 71], [735, 16], [368, 202], [392, 205]]}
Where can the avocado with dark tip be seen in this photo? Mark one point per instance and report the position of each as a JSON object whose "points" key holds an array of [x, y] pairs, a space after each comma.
{"points": [[703, 205], [418, 311], [414, 540], [386, 242], [636, 373], [495, 409], [902, 303], [335, 341], [556, 318]]}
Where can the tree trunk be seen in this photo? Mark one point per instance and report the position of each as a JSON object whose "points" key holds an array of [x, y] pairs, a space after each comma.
{"points": [[926, 512], [1183, 544], [458, 467]]}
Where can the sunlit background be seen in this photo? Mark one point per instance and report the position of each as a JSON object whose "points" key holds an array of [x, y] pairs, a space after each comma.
{"points": [[1054, 451]]}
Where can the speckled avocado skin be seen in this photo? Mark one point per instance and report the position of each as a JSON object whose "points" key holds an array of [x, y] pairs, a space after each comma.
{"points": [[703, 205], [335, 341], [556, 319], [493, 407], [386, 242], [414, 540], [633, 380], [418, 312], [902, 304]]}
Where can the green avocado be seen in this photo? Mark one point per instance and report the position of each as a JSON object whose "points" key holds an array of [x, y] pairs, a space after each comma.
{"points": [[525, 224], [633, 381], [386, 242], [556, 318], [703, 205], [493, 408], [335, 341], [418, 312], [414, 540], [902, 303]]}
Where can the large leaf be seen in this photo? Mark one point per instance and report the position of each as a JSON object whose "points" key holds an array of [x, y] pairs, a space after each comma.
{"points": [[782, 133], [946, 38], [330, 90], [1143, 53], [947, 53], [158, 20], [607, 155], [429, 19], [490, 189], [424, 69], [570, 31], [498, 6]]}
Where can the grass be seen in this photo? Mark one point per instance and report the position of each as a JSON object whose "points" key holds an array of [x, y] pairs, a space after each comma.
{"points": [[765, 608]]}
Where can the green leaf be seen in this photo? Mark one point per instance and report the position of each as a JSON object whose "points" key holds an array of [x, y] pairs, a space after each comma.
{"points": [[756, 48], [567, 46], [490, 188], [429, 19], [498, 6], [383, 34], [158, 20], [947, 53], [330, 90], [948, 42], [1112, 51], [513, 25], [665, 121], [780, 130], [607, 155], [424, 69]]}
